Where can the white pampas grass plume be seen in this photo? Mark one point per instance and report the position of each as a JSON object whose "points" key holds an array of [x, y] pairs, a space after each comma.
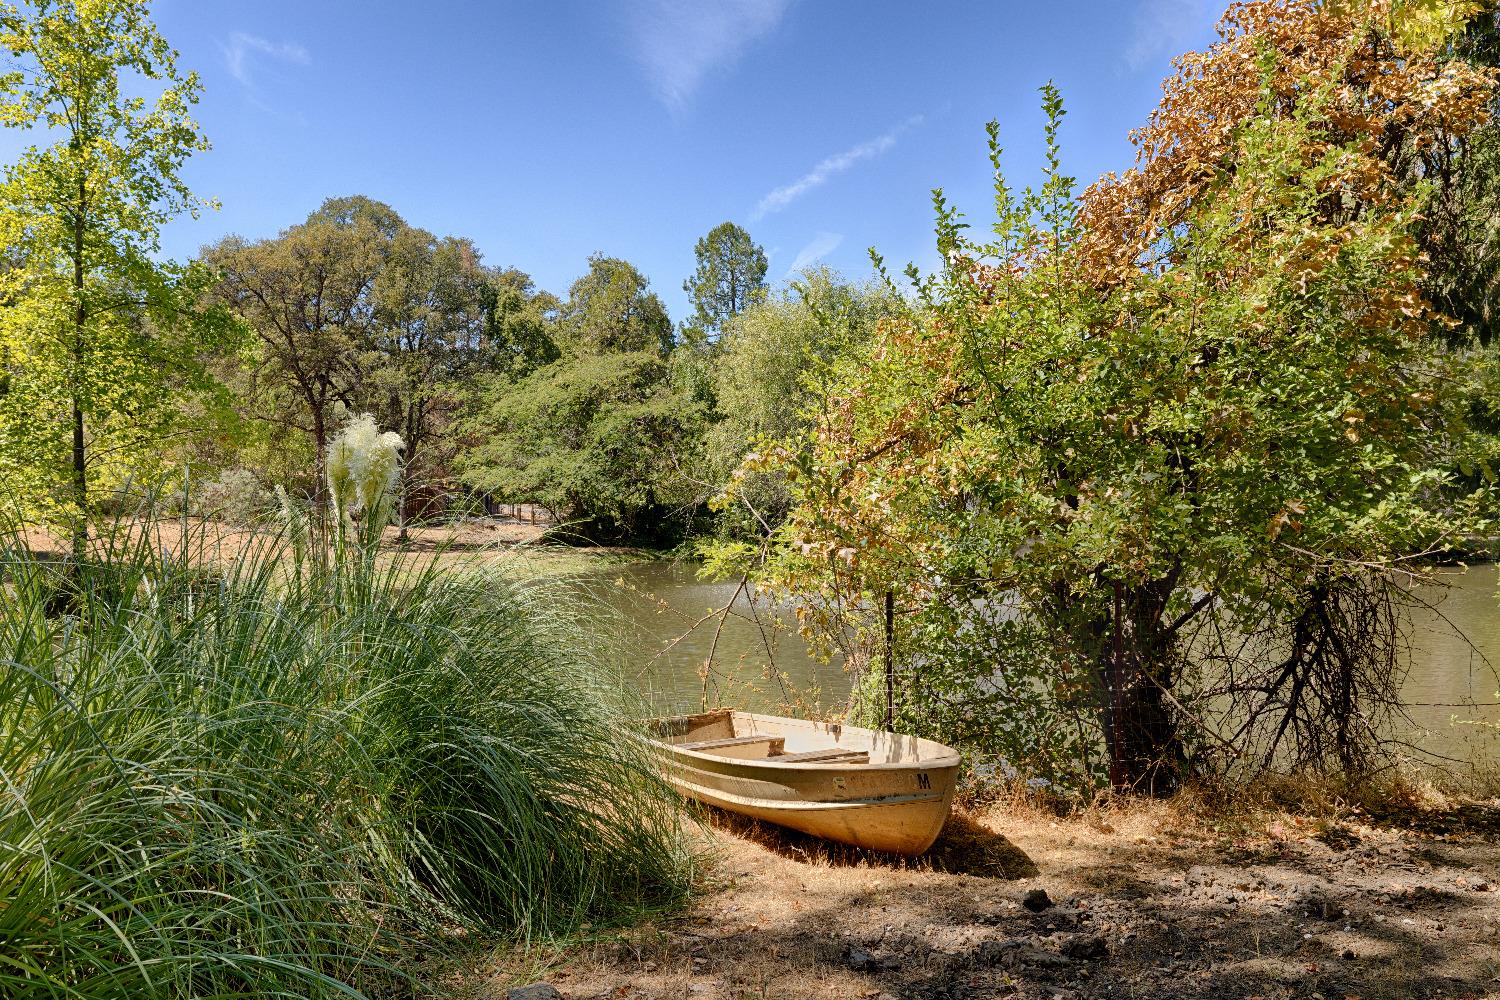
{"points": [[363, 465]]}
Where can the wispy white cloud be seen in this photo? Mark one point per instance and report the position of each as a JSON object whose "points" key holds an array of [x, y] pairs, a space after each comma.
{"points": [[244, 49], [819, 247], [818, 175], [1166, 28], [678, 42]]}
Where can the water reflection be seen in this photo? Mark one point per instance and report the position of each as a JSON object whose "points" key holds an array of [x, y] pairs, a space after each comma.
{"points": [[760, 662], [1451, 686], [1455, 648]]}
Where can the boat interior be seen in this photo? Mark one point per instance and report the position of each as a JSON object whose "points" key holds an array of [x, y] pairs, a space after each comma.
{"points": [[772, 739], [725, 733]]}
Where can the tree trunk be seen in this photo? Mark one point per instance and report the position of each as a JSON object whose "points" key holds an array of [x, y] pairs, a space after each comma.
{"points": [[320, 462], [80, 323], [1135, 666], [408, 462], [322, 528], [1145, 755], [403, 497], [80, 484]]}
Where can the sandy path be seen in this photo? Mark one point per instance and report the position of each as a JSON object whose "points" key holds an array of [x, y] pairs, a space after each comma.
{"points": [[229, 539]]}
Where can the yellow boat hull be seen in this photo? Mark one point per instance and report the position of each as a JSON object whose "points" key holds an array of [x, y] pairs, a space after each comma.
{"points": [[888, 793]]}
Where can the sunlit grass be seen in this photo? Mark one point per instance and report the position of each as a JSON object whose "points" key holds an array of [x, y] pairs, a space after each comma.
{"points": [[285, 778]]}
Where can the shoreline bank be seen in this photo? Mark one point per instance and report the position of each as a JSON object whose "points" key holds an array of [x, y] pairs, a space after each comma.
{"points": [[1140, 901]]}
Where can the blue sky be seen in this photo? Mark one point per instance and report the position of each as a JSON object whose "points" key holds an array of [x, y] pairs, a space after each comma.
{"points": [[546, 131]]}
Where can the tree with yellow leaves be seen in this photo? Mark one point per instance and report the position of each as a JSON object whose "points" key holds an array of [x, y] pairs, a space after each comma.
{"points": [[1154, 461], [97, 338]]}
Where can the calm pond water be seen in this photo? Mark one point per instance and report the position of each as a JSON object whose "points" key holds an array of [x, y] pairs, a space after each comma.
{"points": [[1455, 651], [760, 660], [1450, 686]]}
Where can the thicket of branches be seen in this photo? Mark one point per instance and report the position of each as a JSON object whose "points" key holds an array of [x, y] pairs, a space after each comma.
{"points": [[1212, 396]]}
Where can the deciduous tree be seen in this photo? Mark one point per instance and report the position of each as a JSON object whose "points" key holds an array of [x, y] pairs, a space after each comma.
{"points": [[602, 436], [306, 295], [1205, 394], [612, 308], [428, 340], [770, 373], [98, 337], [601, 439], [520, 322]]}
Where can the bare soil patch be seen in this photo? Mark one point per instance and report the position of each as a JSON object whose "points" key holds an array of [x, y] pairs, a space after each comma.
{"points": [[1140, 902], [510, 543], [466, 536]]}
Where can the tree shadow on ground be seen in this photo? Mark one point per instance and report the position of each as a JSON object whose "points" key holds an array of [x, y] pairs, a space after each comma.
{"points": [[1381, 916], [964, 847], [1478, 818], [444, 546]]}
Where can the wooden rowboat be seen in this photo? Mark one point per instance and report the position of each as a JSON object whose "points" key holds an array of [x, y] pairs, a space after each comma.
{"points": [[858, 786]]}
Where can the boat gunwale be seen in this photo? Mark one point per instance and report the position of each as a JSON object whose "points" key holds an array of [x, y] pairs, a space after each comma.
{"points": [[950, 758]]}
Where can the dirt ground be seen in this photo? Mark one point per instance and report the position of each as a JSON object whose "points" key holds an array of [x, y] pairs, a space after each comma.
{"points": [[512, 543], [1139, 903], [469, 535]]}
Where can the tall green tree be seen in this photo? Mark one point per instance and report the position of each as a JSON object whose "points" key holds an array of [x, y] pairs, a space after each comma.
{"points": [[307, 296], [603, 440], [771, 371], [97, 336], [428, 336], [612, 308], [1200, 403], [356, 311], [520, 322], [730, 277], [602, 436]]}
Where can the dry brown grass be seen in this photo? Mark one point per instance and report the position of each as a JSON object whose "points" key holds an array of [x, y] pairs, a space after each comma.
{"points": [[513, 545], [1191, 898]]}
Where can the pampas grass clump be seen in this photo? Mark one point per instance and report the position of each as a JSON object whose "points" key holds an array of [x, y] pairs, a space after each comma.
{"points": [[270, 781]]}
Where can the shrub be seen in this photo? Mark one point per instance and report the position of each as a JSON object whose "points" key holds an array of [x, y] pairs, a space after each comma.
{"points": [[236, 496], [280, 779]]}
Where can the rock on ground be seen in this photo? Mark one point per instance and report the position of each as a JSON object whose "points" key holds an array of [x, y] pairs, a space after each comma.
{"points": [[1146, 906]]}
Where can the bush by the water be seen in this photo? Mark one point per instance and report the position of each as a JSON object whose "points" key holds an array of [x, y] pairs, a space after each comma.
{"points": [[287, 778]]}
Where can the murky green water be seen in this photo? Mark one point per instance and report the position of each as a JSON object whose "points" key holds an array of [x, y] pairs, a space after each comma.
{"points": [[1452, 687], [761, 662], [1451, 684]]}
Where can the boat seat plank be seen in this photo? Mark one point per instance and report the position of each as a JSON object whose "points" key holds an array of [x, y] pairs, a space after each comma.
{"points": [[682, 725], [773, 744], [830, 755], [728, 741]]}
